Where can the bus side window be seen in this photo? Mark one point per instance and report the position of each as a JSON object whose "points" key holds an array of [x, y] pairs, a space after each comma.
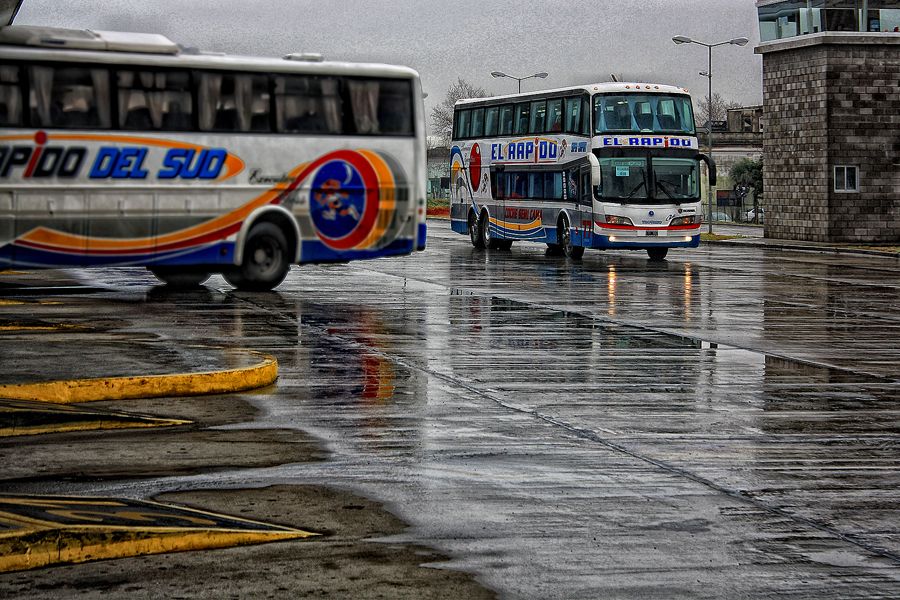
{"points": [[573, 115], [395, 107], [522, 112], [10, 96], [307, 104], [551, 184], [228, 101], [538, 115], [554, 116], [70, 97], [154, 101], [477, 123], [461, 131], [536, 185], [491, 117], [506, 119], [497, 184]]}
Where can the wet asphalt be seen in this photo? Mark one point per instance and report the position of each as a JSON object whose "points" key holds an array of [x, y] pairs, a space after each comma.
{"points": [[725, 424]]}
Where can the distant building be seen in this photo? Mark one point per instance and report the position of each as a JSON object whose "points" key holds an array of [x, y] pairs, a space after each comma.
{"points": [[438, 168], [832, 131]]}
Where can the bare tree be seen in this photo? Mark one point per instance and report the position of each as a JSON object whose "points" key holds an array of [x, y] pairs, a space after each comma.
{"points": [[720, 108], [442, 114]]}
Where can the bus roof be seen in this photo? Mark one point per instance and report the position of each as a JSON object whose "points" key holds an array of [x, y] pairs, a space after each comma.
{"points": [[147, 49], [609, 87]]}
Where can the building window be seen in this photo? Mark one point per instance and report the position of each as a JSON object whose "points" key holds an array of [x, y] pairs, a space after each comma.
{"points": [[846, 179]]}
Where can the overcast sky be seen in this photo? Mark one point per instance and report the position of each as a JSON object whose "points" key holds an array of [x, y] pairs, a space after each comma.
{"points": [[575, 41]]}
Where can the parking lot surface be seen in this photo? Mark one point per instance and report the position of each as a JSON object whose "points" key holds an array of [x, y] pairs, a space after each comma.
{"points": [[722, 424]]}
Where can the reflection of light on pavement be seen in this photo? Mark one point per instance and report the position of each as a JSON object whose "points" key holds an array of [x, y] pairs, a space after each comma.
{"points": [[612, 280], [688, 290], [379, 377]]}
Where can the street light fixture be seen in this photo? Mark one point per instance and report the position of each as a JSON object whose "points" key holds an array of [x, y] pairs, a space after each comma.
{"points": [[741, 41], [499, 74]]}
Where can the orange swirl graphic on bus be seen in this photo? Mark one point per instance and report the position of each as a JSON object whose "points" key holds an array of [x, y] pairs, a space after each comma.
{"points": [[374, 211]]}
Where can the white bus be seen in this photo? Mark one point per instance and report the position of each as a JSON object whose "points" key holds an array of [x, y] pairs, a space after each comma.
{"points": [[127, 149], [608, 165]]}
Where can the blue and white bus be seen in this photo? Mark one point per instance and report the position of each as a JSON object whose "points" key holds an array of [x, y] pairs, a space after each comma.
{"points": [[122, 149], [609, 165]]}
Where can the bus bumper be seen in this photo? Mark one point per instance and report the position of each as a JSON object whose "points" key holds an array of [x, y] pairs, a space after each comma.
{"points": [[613, 242], [421, 236]]}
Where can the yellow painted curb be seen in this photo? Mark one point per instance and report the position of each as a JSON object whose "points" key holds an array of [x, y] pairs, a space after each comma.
{"points": [[51, 547], [147, 386], [37, 531]]}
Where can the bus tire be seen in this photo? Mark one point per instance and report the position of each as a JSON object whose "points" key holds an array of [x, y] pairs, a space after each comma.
{"points": [[565, 239], [554, 249], [266, 260], [474, 231], [657, 254], [179, 277], [484, 230]]}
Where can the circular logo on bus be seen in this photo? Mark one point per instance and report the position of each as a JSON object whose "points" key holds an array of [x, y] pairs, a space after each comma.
{"points": [[344, 201], [475, 167]]}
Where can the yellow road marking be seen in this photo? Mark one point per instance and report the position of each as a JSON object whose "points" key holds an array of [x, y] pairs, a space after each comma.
{"points": [[19, 417], [148, 386], [10, 328], [40, 531]]}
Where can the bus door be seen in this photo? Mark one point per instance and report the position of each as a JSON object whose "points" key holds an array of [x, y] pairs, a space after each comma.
{"points": [[585, 206]]}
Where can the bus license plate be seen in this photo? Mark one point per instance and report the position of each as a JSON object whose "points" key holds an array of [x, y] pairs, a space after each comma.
{"points": [[653, 233]]}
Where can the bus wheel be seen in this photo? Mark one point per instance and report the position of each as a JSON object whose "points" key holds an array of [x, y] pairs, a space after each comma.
{"points": [[178, 277], [474, 231], [554, 249], [565, 240], [657, 253], [484, 230], [266, 260]]}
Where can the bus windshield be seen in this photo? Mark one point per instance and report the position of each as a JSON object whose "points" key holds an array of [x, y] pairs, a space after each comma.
{"points": [[674, 179], [643, 113]]}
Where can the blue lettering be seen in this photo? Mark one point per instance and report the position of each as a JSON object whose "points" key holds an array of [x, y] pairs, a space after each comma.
{"points": [[173, 162], [128, 164], [104, 163], [634, 141], [658, 141], [213, 163]]}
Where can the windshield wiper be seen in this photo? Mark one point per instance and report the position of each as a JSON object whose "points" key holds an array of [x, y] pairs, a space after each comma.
{"points": [[638, 186], [661, 186]]}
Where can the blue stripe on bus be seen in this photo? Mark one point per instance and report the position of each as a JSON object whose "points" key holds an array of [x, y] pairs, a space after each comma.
{"points": [[314, 251], [221, 253]]}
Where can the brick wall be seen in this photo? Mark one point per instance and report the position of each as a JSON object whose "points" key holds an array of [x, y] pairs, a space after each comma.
{"points": [[830, 104]]}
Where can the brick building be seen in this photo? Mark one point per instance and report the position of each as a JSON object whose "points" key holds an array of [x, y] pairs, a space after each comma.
{"points": [[831, 89]]}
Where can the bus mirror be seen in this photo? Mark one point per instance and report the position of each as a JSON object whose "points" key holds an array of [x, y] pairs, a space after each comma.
{"points": [[711, 166], [595, 170]]}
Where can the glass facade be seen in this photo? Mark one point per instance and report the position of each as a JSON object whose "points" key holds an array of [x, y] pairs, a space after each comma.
{"points": [[790, 18]]}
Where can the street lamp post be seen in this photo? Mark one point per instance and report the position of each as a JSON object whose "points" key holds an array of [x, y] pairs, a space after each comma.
{"points": [[519, 79], [680, 39]]}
